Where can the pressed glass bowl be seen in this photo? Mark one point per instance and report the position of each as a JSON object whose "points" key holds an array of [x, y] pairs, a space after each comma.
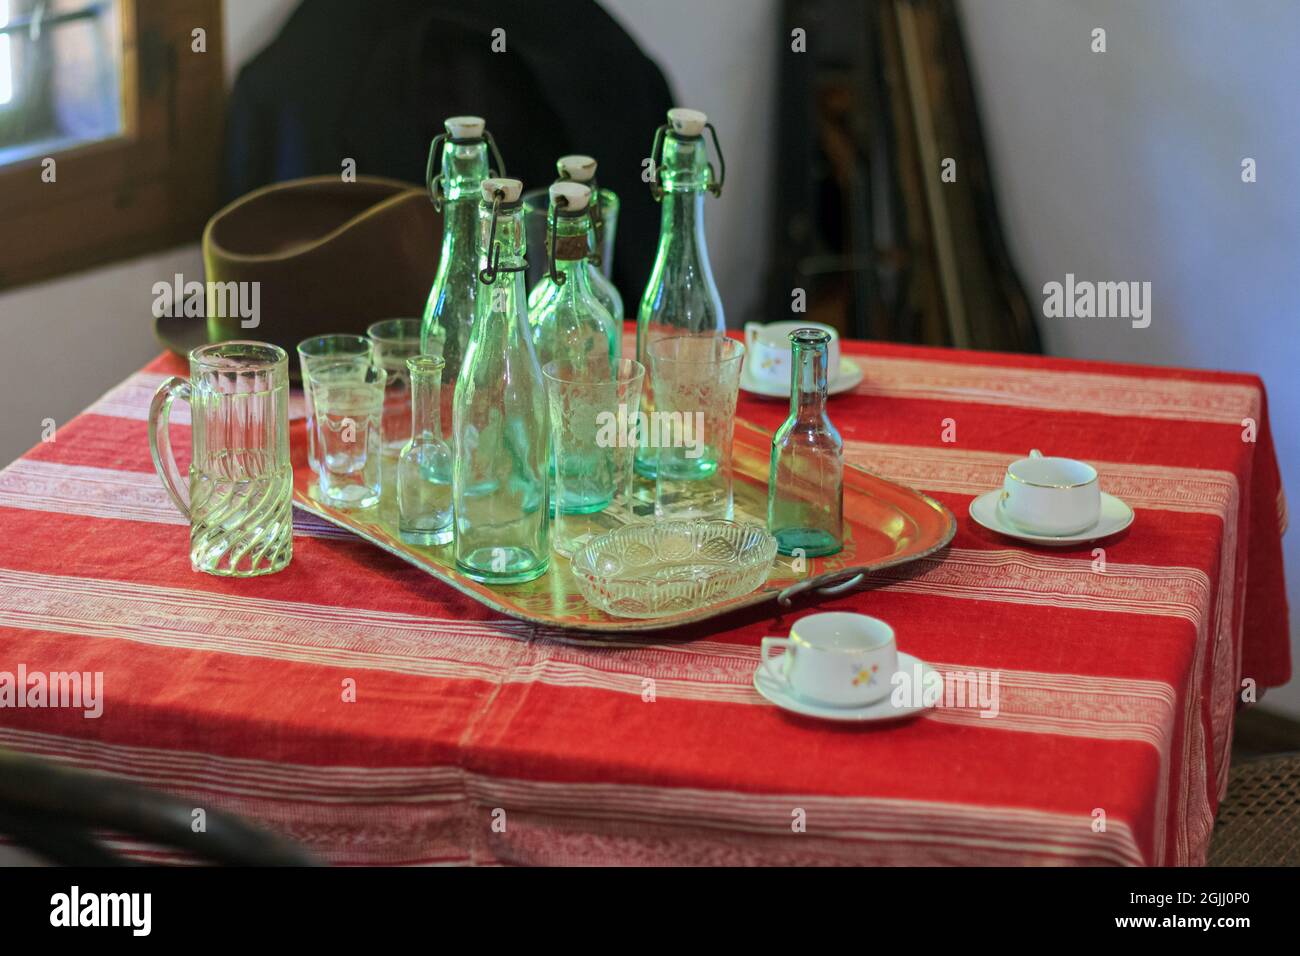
{"points": [[653, 570]]}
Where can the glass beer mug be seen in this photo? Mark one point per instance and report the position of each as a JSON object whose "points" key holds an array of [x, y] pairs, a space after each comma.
{"points": [[239, 493]]}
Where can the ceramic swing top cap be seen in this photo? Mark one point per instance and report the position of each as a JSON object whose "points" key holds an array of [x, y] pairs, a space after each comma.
{"points": [[465, 127], [579, 168], [575, 195], [512, 188], [686, 122]]}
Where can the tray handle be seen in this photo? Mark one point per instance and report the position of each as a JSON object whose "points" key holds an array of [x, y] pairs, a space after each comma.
{"points": [[830, 584]]}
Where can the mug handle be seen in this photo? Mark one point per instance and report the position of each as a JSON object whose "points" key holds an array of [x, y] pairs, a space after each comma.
{"points": [[1003, 495], [160, 442], [751, 334], [764, 652]]}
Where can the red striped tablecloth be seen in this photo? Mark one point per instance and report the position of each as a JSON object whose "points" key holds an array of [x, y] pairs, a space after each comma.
{"points": [[475, 739]]}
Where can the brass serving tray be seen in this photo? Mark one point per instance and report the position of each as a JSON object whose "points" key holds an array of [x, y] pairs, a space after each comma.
{"points": [[885, 524]]}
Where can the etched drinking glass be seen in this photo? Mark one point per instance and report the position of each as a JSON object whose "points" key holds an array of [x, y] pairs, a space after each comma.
{"points": [[348, 406], [696, 379], [240, 486], [593, 421], [325, 348]]}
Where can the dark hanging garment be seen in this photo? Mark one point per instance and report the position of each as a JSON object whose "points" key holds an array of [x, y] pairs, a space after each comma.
{"points": [[373, 81], [886, 214]]}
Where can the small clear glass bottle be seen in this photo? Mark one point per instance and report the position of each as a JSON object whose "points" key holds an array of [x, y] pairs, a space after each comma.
{"points": [[501, 463], [569, 324], [805, 488], [424, 467], [680, 297]]}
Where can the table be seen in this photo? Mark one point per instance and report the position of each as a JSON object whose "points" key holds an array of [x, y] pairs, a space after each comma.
{"points": [[479, 740]]}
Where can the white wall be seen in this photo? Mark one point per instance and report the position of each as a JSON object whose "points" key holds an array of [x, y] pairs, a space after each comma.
{"points": [[1126, 165], [67, 342], [251, 25]]}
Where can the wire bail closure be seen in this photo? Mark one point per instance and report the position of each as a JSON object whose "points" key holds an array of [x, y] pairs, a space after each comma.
{"points": [[488, 274], [656, 157], [716, 178], [559, 278], [434, 182]]}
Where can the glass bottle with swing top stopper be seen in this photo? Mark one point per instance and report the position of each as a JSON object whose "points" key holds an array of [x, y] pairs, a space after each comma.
{"points": [[570, 325], [582, 169], [502, 448], [681, 296], [805, 489], [424, 466], [459, 161]]}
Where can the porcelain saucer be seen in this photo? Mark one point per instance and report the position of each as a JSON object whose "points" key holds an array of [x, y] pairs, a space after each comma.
{"points": [[1115, 517], [849, 375], [775, 690]]}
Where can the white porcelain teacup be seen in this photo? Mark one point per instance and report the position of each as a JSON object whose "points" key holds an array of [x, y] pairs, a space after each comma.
{"points": [[836, 658], [1051, 496], [768, 351]]}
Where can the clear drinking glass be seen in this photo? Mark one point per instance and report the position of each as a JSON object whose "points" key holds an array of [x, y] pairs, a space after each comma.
{"points": [[805, 488], [424, 467], [329, 348], [238, 496], [393, 342], [696, 380], [348, 400], [593, 433]]}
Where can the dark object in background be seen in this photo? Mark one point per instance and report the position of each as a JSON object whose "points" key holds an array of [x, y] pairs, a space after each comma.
{"points": [[325, 256], [864, 223], [373, 82], [56, 813], [1259, 819]]}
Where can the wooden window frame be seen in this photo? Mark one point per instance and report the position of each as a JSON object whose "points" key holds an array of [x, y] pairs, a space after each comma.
{"points": [[152, 187]]}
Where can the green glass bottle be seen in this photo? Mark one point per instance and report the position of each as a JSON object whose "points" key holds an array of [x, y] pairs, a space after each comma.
{"points": [[582, 169], [462, 153], [604, 290], [569, 323], [502, 442], [681, 296], [805, 486]]}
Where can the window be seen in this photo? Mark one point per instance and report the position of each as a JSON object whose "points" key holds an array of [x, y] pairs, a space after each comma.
{"points": [[60, 75], [111, 114], [6, 58]]}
